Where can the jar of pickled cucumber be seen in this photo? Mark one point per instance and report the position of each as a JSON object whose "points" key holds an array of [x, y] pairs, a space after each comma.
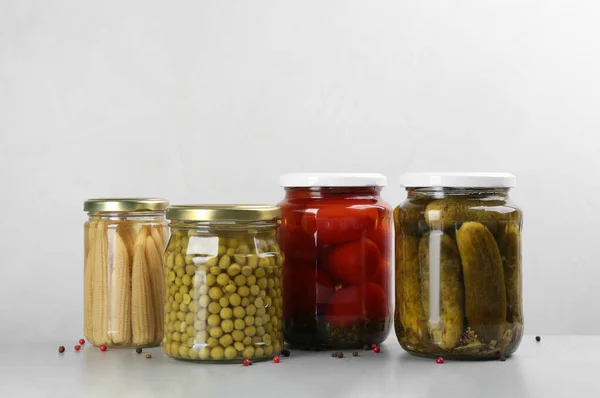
{"points": [[223, 283], [458, 266], [123, 275], [336, 237]]}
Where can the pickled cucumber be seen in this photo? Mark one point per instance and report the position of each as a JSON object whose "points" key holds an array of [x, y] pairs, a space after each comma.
{"points": [[224, 301], [409, 309], [409, 217], [441, 278], [445, 213], [485, 291], [511, 251]]}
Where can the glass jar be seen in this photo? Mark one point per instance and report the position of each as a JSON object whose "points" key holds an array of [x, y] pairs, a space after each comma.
{"points": [[458, 266], [123, 289], [336, 237], [223, 279]]}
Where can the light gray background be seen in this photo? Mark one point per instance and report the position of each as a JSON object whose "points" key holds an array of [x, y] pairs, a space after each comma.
{"points": [[210, 101]]}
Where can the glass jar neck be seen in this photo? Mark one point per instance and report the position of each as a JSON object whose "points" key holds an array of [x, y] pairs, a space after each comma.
{"points": [[122, 216], [213, 226], [332, 192], [445, 192]]}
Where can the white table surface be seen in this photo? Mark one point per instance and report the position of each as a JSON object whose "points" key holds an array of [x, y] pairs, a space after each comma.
{"points": [[558, 366]]}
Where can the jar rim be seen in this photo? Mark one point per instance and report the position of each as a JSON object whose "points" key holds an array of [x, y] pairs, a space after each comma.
{"points": [[333, 180], [125, 204], [223, 213], [458, 180]]}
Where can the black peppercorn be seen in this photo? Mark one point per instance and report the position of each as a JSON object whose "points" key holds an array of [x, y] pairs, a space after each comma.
{"points": [[538, 338], [138, 350], [334, 354], [340, 355], [285, 353], [61, 349], [503, 358], [355, 354], [366, 347]]}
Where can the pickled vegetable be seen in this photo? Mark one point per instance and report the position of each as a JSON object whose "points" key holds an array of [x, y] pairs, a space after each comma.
{"points": [[409, 305], [224, 296], [441, 273], [458, 275], [485, 291], [511, 248], [121, 306]]}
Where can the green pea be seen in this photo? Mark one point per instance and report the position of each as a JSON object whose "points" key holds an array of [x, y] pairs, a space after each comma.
{"points": [[204, 301], [184, 337], [243, 291], [191, 305], [230, 352], [190, 318], [263, 293], [222, 250], [251, 309], [178, 282], [199, 325], [227, 325], [181, 315], [213, 261], [187, 280], [263, 262], [252, 261], [226, 313], [256, 340], [245, 302], [260, 331], [268, 350], [183, 307], [259, 351], [202, 314], [249, 320], [275, 321], [179, 261], [237, 335], [250, 331], [223, 279], [230, 288], [234, 269], [260, 273], [171, 276], [214, 308], [189, 259], [259, 302], [174, 348], [176, 336], [203, 289], [266, 318], [239, 312], [175, 306], [170, 261], [271, 311], [201, 336], [248, 351], [239, 346], [211, 280], [251, 280], [183, 327], [217, 353], [216, 271], [216, 332], [172, 316], [193, 353], [258, 321], [239, 324], [270, 283], [212, 342], [225, 262], [235, 300], [262, 283], [213, 320], [224, 301], [240, 259], [246, 271], [226, 340], [247, 340], [215, 293], [186, 298], [176, 325], [230, 252], [254, 290], [240, 280], [204, 353]]}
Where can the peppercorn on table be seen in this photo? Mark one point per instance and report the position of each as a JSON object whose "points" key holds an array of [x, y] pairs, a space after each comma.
{"points": [[557, 366]]}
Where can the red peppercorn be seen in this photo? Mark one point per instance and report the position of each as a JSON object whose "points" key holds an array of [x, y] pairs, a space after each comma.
{"points": [[81, 341], [246, 362], [439, 360], [61, 349], [148, 356], [102, 347], [276, 359], [373, 346], [355, 354], [377, 350], [77, 347]]}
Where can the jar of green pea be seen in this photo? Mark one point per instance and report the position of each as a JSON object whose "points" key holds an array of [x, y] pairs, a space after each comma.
{"points": [[223, 281]]}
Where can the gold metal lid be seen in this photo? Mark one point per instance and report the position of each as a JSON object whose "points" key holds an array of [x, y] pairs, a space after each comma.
{"points": [[125, 204], [224, 213]]}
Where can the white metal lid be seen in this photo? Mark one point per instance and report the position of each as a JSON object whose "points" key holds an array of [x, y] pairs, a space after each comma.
{"points": [[333, 180], [458, 180]]}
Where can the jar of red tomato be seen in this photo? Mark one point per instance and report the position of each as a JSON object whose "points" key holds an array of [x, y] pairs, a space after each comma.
{"points": [[336, 237]]}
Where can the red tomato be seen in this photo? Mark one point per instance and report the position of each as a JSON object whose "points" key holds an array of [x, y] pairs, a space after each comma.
{"points": [[304, 288], [355, 303], [299, 248], [353, 262], [381, 235], [382, 276], [336, 221]]}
